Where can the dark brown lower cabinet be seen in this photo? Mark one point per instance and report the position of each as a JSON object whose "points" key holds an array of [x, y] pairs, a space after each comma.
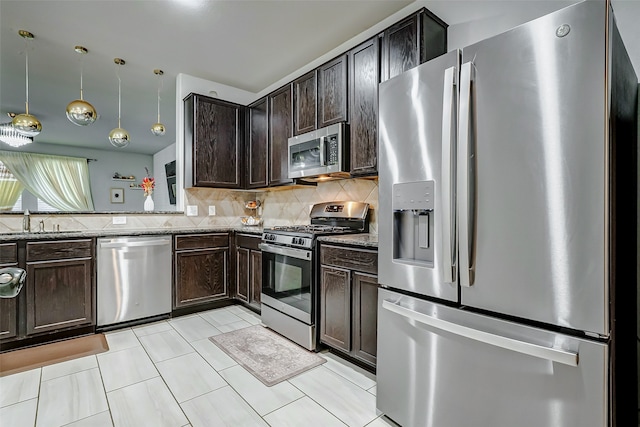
{"points": [[201, 269], [248, 269], [8, 306], [349, 301], [59, 295]]}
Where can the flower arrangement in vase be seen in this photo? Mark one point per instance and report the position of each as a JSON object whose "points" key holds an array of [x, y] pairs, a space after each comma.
{"points": [[148, 184]]}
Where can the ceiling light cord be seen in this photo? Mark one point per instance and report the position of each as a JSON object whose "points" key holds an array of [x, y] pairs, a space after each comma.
{"points": [[119, 92], [26, 66], [81, 75]]}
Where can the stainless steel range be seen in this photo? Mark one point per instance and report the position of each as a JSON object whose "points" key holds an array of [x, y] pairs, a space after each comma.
{"points": [[290, 268]]}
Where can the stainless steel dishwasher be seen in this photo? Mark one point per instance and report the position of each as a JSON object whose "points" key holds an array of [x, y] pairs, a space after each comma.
{"points": [[134, 278]]}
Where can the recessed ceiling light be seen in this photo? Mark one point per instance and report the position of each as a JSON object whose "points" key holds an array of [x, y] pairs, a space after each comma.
{"points": [[213, 93], [193, 4]]}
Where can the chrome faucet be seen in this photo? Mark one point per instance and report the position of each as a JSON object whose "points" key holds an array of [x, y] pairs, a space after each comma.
{"points": [[41, 226], [26, 221]]}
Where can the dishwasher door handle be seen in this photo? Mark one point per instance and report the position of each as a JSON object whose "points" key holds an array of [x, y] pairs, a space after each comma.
{"points": [[135, 244]]}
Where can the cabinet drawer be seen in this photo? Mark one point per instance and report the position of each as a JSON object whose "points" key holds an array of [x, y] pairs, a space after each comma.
{"points": [[59, 249], [248, 242], [202, 241], [8, 253], [351, 258]]}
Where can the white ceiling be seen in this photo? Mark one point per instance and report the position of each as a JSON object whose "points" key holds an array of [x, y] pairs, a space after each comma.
{"points": [[249, 45]]}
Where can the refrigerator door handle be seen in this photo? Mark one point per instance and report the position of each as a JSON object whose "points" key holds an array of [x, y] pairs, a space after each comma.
{"points": [[448, 105], [548, 353], [464, 189]]}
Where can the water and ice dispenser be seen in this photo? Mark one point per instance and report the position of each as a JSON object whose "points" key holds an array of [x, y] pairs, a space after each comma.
{"points": [[413, 223]]}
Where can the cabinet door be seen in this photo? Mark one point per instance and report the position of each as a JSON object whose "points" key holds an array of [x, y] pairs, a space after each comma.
{"points": [[213, 142], [280, 129], [201, 276], [257, 144], [364, 76], [332, 92], [255, 286], [304, 103], [335, 307], [59, 294], [243, 274], [9, 306], [365, 316], [401, 48]]}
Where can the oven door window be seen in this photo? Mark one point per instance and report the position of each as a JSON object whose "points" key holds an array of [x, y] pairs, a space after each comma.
{"points": [[305, 155], [288, 280]]}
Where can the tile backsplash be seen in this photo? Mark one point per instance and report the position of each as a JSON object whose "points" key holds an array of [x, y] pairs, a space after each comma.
{"points": [[280, 206]]}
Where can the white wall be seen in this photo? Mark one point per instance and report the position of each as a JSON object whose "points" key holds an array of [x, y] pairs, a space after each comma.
{"points": [[161, 192]]}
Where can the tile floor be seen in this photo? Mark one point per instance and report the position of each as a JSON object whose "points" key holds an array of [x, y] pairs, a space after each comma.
{"points": [[169, 374]]}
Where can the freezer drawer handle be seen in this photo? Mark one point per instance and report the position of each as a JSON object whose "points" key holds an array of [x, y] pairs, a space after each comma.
{"points": [[535, 350]]}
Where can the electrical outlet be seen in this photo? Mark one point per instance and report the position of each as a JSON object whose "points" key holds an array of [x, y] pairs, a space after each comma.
{"points": [[119, 220], [192, 210], [212, 210]]}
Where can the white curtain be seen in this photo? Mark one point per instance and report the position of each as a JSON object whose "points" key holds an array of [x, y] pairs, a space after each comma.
{"points": [[10, 189], [62, 182]]}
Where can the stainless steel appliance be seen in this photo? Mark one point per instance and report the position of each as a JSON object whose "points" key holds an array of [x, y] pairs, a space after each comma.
{"points": [[290, 268], [507, 231], [134, 278], [323, 152]]}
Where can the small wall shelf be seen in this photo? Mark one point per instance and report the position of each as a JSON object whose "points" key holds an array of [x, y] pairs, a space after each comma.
{"points": [[123, 179]]}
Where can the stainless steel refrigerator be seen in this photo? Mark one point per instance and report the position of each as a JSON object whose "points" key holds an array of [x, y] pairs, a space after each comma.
{"points": [[508, 231]]}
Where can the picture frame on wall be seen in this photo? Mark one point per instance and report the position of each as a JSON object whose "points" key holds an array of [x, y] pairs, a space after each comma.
{"points": [[117, 195]]}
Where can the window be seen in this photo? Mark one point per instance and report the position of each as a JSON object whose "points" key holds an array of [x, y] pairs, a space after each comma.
{"points": [[45, 207]]}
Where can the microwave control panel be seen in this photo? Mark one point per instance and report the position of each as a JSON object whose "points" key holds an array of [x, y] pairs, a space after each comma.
{"points": [[332, 149]]}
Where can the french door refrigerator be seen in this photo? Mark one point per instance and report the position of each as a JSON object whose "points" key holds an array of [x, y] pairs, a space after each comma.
{"points": [[508, 231]]}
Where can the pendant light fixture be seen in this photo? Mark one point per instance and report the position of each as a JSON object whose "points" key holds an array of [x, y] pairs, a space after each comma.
{"points": [[80, 112], [119, 137], [158, 128], [26, 124], [10, 136]]}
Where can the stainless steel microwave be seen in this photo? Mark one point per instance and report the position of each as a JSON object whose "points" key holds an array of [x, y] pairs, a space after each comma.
{"points": [[321, 153]]}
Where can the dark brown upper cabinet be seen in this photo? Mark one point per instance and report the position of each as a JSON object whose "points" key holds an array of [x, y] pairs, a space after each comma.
{"points": [[214, 142], [364, 76], [412, 41], [280, 129], [332, 92], [304, 103], [258, 144]]}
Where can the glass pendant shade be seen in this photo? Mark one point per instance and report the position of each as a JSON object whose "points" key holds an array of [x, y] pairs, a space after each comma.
{"points": [[158, 128], [119, 137], [80, 112], [26, 124]]}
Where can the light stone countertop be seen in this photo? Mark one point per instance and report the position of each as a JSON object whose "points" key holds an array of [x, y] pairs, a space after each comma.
{"points": [[365, 240]]}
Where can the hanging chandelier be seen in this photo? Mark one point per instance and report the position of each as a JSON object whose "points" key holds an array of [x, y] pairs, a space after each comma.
{"points": [[119, 137], [27, 124], [158, 128], [10, 136], [80, 112]]}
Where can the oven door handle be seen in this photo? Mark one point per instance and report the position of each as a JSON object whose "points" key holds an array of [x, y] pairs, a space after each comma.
{"points": [[282, 250]]}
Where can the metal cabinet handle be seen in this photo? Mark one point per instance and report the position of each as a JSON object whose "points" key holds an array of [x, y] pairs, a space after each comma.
{"points": [[448, 156], [464, 189], [282, 250], [548, 353]]}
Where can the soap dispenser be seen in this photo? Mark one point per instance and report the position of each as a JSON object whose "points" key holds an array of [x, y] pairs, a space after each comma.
{"points": [[26, 221]]}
